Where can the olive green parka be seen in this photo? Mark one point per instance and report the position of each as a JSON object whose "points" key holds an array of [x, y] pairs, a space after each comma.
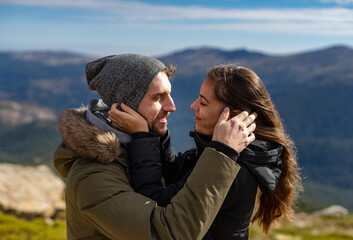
{"points": [[100, 203]]}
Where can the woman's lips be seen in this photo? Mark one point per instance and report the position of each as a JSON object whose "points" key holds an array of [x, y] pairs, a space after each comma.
{"points": [[197, 118]]}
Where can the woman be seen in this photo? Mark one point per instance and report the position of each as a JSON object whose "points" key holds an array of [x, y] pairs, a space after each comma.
{"points": [[269, 170]]}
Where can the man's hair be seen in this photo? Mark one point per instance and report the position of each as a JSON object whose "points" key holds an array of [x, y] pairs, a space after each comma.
{"points": [[170, 71]]}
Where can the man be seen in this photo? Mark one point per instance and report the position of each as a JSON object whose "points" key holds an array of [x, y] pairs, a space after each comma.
{"points": [[100, 204]]}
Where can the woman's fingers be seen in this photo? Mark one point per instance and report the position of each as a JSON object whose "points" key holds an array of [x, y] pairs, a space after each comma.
{"points": [[245, 118], [127, 119], [241, 116], [250, 129], [114, 110], [224, 116], [128, 110], [251, 138], [117, 115], [114, 106], [250, 119]]}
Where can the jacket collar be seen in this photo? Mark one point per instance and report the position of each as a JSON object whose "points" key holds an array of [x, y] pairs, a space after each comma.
{"points": [[202, 141], [97, 114]]}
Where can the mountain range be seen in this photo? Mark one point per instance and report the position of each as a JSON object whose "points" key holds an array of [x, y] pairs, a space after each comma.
{"points": [[313, 92]]}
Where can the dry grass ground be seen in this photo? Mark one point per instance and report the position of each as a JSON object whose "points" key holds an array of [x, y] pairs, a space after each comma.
{"points": [[304, 227], [309, 227]]}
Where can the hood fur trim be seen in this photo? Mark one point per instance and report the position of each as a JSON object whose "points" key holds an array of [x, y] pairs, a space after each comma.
{"points": [[85, 138]]}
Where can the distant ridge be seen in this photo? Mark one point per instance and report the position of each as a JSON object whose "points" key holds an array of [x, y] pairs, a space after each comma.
{"points": [[192, 61], [207, 51], [318, 66], [48, 57]]}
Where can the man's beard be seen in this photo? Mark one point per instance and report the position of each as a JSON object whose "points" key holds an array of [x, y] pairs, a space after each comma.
{"points": [[158, 131]]}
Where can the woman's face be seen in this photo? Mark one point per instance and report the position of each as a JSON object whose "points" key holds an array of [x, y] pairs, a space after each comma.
{"points": [[207, 109]]}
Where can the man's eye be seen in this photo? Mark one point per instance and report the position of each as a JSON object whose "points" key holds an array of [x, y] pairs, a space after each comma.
{"points": [[202, 104], [158, 97]]}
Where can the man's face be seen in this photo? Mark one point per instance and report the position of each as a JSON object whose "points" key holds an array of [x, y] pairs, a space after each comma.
{"points": [[157, 104]]}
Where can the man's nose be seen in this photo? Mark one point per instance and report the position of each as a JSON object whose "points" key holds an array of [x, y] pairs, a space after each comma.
{"points": [[169, 105]]}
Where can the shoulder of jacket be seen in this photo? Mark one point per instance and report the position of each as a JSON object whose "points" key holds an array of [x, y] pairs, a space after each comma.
{"points": [[87, 175]]}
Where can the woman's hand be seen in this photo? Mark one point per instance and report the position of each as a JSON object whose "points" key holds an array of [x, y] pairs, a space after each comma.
{"points": [[127, 120], [237, 132]]}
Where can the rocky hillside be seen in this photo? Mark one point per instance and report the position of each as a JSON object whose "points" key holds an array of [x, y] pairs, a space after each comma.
{"points": [[30, 192], [28, 133], [17, 114]]}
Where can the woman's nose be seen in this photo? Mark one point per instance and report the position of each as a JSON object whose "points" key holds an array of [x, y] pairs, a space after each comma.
{"points": [[193, 105]]}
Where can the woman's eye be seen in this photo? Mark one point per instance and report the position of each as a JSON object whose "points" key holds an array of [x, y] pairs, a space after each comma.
{"points": [[202, 104]]}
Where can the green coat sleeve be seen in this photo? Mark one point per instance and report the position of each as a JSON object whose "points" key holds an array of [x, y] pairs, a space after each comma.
{"points": [[105, 197], [193, 209]]}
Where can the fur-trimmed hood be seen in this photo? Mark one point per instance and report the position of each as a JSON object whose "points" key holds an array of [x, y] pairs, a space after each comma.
{"points": [[86, 139]]}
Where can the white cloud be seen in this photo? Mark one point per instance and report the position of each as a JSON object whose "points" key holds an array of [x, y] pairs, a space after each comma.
{"points": [[339, 2], [270, 27], [142, 11], [324, 21]]}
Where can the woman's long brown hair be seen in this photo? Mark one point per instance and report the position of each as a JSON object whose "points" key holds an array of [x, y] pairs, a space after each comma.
{"points": [[241, 89]]}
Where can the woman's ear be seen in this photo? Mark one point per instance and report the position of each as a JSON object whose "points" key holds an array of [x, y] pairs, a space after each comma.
{"points": [[233, 113]]}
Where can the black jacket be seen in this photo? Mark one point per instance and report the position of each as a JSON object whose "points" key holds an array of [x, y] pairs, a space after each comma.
{"points": [[260, 166]]}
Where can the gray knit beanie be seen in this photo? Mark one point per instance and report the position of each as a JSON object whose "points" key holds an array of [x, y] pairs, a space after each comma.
{"points": [[122, 78]]}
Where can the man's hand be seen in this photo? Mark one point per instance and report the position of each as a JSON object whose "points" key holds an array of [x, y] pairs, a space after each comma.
{"points": [[127, 120], [236, 132]]}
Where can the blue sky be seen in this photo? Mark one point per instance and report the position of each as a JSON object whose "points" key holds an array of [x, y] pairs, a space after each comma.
{"points": [[158, 27]]}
